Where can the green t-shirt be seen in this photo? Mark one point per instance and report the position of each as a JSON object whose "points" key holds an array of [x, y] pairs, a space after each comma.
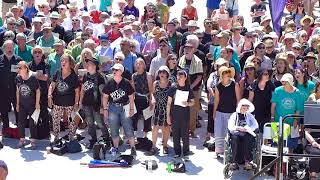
{"points": [[162, 9], [54, 63], [75, 52], [1, 22], [306, 91], [43, 43], [25, 55], [286, 103]]}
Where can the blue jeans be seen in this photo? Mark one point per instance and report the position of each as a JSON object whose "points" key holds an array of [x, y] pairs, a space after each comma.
{"points": [[116, 119], [93, 116]]}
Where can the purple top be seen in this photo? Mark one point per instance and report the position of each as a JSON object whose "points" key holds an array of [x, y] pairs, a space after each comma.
{"points": [[131, 11]]}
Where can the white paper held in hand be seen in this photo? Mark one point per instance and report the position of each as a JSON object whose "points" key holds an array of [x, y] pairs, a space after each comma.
{"points": [[181, 96], [250, 131], [127, 110], [147, 113], [14, 68], [35, 116]]}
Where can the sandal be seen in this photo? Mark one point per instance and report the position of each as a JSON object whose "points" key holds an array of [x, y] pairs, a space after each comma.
{"points": [[248, 166], [33, 146], [233, 166]]}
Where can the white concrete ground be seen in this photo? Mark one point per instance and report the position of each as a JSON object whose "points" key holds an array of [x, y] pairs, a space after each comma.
{"points": [[26, 164]]}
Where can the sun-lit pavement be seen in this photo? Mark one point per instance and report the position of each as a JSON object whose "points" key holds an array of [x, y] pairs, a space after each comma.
{"points": [[27, 164]]}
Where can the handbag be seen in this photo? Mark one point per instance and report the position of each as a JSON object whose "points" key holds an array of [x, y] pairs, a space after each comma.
{"points": [[230, 10]]}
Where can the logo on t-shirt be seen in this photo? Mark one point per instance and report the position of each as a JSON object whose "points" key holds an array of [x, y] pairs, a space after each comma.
{"points": [[25, 90], [117, 94], [62, 87], [288, 103], [88, 85]]}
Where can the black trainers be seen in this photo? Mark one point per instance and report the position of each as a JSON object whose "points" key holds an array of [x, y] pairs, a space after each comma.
{"points": [[176, 156], [133, 151], [1, 145], [152, 152], [165, 150], [91, 144]]}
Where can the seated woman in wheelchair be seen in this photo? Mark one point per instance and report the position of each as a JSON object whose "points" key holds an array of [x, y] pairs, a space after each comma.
{"points": [[242, 125], [313, 147]]}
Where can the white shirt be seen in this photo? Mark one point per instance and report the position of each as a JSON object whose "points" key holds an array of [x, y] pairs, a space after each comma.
{"points": [[156, 63]]}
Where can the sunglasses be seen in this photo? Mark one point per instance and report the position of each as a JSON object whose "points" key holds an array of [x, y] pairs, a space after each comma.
{"points": [[8, 36], [132, 47], [115, 70], [75, 20], [11, 23], [41, 7], [261, 47], [118, 59], [37, 52], [162, 71], [250, 69], [249, 36]]}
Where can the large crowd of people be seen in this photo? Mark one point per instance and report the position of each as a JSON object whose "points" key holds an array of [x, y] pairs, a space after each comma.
{"points": [[112, 64]]}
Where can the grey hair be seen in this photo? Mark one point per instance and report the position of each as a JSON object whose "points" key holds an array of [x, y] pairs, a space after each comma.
{"points": [[192, 38], [127, 40], [4, 46], [84, 51]]}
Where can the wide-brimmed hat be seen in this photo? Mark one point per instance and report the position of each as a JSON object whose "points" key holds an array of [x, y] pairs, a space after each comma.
{"points": [[164, 68], [236, 25], [245, 102], [192, 23], [55, 15], [288, 36], [282, 56], [220, 61], [37, 47], [155, 31], [287, 77], [265, 18], [224, 69], [311, 55], [46, 26], [249, 65], [223, 34], [305, 18]]}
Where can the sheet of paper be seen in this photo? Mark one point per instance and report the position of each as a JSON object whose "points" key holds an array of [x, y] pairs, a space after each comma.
{"points": [[147, 113], [127, 110], [46, 50], [250, 131], [35, 116], [74, 114], [294, 132], [14, 68], [82, 72], [181, 96]]}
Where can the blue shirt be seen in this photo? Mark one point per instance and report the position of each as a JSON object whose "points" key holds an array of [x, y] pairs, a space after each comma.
{"points": [[129, 62], [306, 91], [104, 4], [141, 38], [213, 4], [286, 103], [30, 12], [131, 11]]}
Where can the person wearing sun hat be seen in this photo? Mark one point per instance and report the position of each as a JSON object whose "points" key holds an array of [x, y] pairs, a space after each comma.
{"points": [[48, 39], [265, 24], [242, 125], [227, 95], [286, 100], [249, 71], [306, 23], [22, 49], [55, 19]]}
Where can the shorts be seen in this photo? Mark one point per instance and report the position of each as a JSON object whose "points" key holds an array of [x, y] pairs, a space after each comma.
{"points": [[117, 118], [293, 142]]}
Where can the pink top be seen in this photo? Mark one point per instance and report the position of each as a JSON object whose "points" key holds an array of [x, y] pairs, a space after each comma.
{"points": [[150, 47]]}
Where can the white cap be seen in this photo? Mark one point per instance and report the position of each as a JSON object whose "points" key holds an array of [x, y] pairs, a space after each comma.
{"points": [[118, 66], [288, 78], [245, 102]]}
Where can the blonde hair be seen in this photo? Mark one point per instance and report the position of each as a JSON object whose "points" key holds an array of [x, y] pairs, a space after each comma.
{"points": [[70, 59], [24, 65]]}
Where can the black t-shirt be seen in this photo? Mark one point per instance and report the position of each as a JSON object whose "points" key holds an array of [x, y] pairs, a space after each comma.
{"points": [[64, 92], [91, 84], [256, 8], [118, 93], [182, 31], [44, 68], [70, 35], [227, 98], [201, 56], [206, 38], [27, 91], [262, 99], [173, 89], [60, 30], [7, 78], [241, 120]]}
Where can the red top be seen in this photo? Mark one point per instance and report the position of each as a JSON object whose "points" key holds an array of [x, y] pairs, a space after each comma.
{"points": [[191, 14], [95, 15], [114, 35]]}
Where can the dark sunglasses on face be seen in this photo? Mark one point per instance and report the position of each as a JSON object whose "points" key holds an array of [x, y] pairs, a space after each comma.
{"points": [[261, 47], [250, 69], [75, 20], [41, 7], [8, 37], [115, 70], [37, 52], [118, 59], [162, 71]]}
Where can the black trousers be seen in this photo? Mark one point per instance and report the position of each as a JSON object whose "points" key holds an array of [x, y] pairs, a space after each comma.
{"points": [[43, 128], [243, 144], [141, 104], [10, 99], [180, 129], [23, 114], [210, 127], [314, 162]]}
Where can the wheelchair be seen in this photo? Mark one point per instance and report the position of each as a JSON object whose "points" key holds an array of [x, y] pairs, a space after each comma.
{"points": [[227, 171]]}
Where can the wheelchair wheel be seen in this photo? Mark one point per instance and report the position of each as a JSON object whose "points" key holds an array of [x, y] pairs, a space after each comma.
{"points": [[227, 172]]}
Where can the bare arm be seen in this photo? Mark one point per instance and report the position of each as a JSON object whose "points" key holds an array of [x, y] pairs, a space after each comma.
{"points": [[216, 101], [199, 78], [273, 108], [77, 91], [238, 96], [38, 93], [251, 96], [241, 87], [81, 95]]}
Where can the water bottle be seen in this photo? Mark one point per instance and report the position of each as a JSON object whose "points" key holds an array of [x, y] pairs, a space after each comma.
{"points": [[169, 167]]}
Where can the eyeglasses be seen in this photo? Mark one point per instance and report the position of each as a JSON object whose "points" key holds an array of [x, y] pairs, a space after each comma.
{"points": [[296, 48], [75, 20], [208, 23], [41, 7], [115, 70], [256, 62], [8, 36], [250, 69], [162, 71], [261, 47], [118, 59], [37, 52], [11, 23]]}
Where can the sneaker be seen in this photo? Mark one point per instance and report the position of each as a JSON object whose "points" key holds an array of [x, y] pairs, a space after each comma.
{"points": [[114, 151], [91, 144], [186, 158], [165, 150], [1, 145], [133, 151], [233, 166], [176, 156]]}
